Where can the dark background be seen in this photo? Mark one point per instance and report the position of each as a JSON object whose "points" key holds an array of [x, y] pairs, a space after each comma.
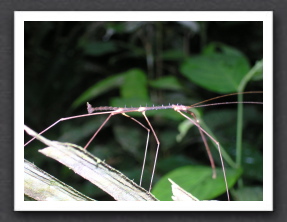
{"points": [[6, 97]]}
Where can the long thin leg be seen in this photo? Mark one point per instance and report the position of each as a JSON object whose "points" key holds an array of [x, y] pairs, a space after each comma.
{"points": [[98, 130], [64, 119], [148, 131], [114, 113], [156, 154], [209, 154], [206, 146], [218, 147]]}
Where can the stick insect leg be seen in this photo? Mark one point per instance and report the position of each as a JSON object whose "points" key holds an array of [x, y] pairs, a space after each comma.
{"points": [[118, 111], [156, 154], [64, 119], [98, 130], [55, 123], [216, 142], [91, 109], [45, 130], [148, 131], [206, 146]]}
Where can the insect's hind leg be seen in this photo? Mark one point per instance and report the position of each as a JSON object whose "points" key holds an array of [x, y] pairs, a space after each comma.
{"points": [[111, 114], [205, 144], [215, 141], [157, 149], [146, 147]]}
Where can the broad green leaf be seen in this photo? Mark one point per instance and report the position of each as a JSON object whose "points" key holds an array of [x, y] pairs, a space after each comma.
{"points": [[196, 180], [218, 72], [166, 82], [99, 88], [209, 49], [248, 194], [135, 85]]}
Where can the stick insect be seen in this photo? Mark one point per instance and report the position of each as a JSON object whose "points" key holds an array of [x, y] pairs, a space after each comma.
{"points": [[181, 109]]}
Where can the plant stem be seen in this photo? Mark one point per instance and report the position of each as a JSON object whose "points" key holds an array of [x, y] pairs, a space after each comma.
{"points": [[239, 131], [257, 68]]}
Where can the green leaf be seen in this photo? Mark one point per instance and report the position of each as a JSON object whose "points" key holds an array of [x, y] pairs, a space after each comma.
{"points": [[196, 180], [135, 85], [248, 194], [99, 88], [167, 82], [258, 71], [218, 72]]}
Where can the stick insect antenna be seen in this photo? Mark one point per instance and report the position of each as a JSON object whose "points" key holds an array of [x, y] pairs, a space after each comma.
{"points": [[222, 103], [214, 98]]}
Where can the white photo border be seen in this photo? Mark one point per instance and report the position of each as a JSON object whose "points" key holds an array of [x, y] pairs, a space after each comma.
{"points": [[266, 16]]}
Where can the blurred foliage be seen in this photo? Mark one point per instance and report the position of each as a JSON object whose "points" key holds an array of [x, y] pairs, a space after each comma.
{"points": [[199, 182], [143, 63]]}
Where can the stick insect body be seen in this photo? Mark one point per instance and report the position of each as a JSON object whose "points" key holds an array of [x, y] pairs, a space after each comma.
{"points": [[181, 109]]}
